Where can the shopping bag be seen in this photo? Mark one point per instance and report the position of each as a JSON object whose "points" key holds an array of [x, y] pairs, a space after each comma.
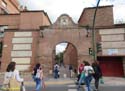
{"points": [[14, 85], [43, 84], [22, 87], [101, 80], [83, 75]]}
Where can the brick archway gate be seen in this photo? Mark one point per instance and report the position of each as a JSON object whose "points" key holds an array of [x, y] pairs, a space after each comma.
{"points": [[69, 55], [64, 29]]}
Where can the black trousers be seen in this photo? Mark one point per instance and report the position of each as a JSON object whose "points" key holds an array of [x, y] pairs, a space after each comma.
{"points": [[96, 81], [78, 77]]}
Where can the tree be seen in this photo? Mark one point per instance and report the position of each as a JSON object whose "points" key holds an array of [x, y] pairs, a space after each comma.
{"points": [[59, 57]]}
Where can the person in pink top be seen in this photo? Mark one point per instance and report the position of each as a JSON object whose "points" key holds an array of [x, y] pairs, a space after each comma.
{"points": [[80, 69]]}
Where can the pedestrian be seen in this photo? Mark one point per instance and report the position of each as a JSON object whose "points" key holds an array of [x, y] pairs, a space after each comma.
{"points": [[35, 71], [71, 71], [12, 72], [88, 75], [38, 77], [82, 77], [56, 71], [80, 69], [97, 75]]}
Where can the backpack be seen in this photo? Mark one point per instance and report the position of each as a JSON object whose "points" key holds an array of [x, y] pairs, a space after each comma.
{"points": [[14, 85], [90, 72]]}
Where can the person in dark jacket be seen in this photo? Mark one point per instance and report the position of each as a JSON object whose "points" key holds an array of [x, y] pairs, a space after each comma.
{"points": [[97, 75]]}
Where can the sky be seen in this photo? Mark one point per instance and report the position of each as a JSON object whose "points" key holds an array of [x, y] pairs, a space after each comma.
{"points": [[60, 47], [73, 8]]}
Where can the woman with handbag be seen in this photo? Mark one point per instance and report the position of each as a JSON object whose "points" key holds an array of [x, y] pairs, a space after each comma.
{"points": [[12, 78], [38, 77], [88, 70]]}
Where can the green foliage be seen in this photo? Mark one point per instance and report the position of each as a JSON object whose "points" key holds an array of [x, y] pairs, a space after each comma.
{"points": [[59, 57]]}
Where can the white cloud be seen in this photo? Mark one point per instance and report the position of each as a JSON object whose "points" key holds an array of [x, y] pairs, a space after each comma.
{"points": [[119, 2], [119, 15], [105, 2], [55, 8], [73, 8], [60, 47]]}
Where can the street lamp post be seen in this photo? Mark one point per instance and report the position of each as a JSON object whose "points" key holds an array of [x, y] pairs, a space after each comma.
{"points": [[93, 34]]}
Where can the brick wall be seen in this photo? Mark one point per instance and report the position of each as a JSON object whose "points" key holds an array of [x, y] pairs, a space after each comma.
{"points": [[25, 20], [70, 56], [12, 6], [104, 16]]}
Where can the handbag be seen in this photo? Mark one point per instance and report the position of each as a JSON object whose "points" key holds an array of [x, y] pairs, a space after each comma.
{"points": [[82, 75], [14, 85], [43, 84], [90, 72], [101, 80], [22, 87]]}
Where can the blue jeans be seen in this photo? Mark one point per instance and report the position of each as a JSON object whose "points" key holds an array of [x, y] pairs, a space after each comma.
{"points": [[81, 80], [38, 84], [88, 80], [56, 75]]}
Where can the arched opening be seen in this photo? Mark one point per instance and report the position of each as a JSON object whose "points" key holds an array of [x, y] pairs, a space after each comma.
{"points": [[65, 54]]}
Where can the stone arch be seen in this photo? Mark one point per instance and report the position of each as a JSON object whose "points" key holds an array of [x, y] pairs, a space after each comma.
{"points": [[70, 47], [58, 33]]}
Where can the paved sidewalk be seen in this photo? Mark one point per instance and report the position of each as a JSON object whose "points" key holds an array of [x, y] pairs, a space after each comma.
{"points": [[51, 81], [108, 81], [114, 81], [48, 81]]}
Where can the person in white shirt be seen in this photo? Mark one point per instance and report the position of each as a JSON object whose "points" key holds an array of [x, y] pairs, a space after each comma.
{"points": [[12, 72], [88, 75]]}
